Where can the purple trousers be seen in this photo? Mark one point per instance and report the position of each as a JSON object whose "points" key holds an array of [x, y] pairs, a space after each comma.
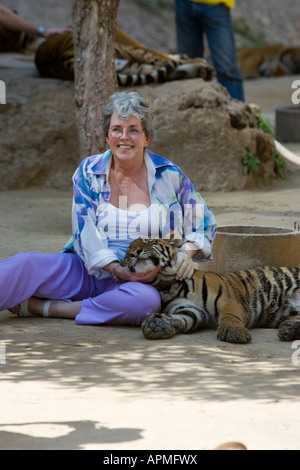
{"points": [[64, 276]]}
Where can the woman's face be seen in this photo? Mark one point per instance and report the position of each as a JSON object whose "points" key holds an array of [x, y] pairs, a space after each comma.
{"points": [[126, 139]]}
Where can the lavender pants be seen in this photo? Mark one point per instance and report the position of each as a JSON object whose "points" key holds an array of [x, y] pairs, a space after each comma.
{"points": [[63, 276]]}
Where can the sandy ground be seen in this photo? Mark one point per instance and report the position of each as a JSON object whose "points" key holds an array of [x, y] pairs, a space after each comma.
{"points": [[78, 387]]}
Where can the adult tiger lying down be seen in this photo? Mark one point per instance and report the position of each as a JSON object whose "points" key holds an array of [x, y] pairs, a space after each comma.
{"points": [[135, 63], [267, 297], [270, 60]]}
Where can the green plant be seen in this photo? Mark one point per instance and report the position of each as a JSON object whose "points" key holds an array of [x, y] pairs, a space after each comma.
{"points": [[280, 165], [241, 28], [251, 163], [264, 124]]}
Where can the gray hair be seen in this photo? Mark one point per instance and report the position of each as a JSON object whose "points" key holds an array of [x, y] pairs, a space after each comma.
{"points": [[126, 105]]}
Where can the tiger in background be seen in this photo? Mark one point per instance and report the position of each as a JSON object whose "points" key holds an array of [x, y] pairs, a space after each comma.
{"points": [[270, 60], [135, 63], [234, 302]]}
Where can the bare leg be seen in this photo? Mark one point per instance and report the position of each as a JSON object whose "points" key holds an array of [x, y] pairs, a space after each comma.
{"points": [[57, 309]]}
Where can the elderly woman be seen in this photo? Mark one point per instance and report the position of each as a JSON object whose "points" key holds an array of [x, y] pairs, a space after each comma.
{"points": [[120, 195]]}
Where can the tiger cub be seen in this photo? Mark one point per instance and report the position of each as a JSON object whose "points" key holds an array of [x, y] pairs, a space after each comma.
{"points": [[234, 302]]}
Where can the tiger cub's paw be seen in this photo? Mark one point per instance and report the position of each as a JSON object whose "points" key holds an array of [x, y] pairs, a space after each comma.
{"points": [[233, 334], [160, 326], [289, 329]]}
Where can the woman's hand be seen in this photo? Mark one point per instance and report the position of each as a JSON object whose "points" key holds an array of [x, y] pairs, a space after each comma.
{"points": [[184, 265], [123, 273], [184, 261]]}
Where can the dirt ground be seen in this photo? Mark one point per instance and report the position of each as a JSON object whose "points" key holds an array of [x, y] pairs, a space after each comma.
{"points": [[107, 388]]}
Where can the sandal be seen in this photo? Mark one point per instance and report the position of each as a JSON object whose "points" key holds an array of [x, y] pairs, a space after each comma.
{"points": [[47, 306], [24, 312]]}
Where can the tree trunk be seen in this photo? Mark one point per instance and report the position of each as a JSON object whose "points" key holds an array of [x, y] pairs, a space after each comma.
{"points": [[94, 23]]}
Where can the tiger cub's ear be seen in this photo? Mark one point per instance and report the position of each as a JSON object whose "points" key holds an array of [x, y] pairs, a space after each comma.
{"points": [[174, 239]]}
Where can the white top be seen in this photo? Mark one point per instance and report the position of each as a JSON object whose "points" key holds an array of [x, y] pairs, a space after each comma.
{"points": [[123, 226]]}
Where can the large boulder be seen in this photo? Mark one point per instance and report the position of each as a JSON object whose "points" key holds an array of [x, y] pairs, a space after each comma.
{"points": [[208, 134], [198, 126]]}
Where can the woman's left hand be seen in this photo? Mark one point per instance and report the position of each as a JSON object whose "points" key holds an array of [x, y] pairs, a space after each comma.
{"points": [[184, 265]]}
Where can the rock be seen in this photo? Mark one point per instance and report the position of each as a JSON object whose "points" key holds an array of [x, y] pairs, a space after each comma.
{"points": [[198, 126], [38, 133], [206, 133]]}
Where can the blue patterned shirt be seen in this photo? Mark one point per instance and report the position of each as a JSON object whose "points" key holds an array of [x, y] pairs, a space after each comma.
{"points": [[178, 206]]}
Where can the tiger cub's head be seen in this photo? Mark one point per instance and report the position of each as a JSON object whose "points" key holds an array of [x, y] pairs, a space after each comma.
{"points": [[143, 255]]}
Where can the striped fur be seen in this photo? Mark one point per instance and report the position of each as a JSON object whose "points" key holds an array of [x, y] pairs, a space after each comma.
{"points": [[235, 302], [135, 64]]}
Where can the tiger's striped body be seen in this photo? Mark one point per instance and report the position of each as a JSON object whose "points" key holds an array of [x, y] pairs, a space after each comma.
{"points": [[267, 297], [135, 63]]}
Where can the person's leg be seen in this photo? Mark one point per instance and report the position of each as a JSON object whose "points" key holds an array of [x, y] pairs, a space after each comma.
{"points": [[115, 304], [58, 308], [219, 32], [35, 277], [46, 276], [189, 32], [49, 308], [122, 304]]}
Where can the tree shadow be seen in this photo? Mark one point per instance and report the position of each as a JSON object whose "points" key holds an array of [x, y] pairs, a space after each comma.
{"points": [[71, 435], [195, 366]]}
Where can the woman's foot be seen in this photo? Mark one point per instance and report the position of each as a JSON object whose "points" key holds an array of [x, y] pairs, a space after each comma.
{"points": [[22, 309], [15, 310], [47, 308]]}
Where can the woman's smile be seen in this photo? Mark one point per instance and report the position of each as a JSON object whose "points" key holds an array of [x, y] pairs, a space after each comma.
{"points": [[123, 146]]}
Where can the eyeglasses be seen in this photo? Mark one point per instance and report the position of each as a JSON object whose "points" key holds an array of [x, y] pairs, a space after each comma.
{"points": [[119, 131]]}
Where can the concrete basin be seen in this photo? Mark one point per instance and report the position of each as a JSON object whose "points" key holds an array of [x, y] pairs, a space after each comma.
{"points": [[244, 246], [288, 123]]}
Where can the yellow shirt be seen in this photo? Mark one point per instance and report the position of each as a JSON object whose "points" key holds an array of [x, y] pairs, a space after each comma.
{"points": [[228, 3]]}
